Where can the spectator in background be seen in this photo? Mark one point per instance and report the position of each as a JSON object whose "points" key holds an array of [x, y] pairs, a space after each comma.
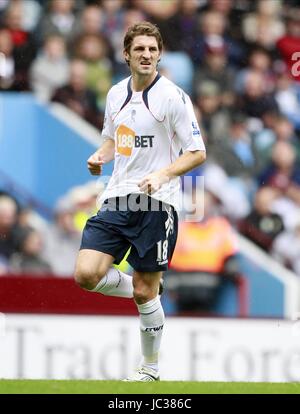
{"points": [[114, 25], [233, 202], [3, 5], [28, 217], [60, 19], [210, 24], [237, 155], [214, 119], [8, 226], [186, 18], [287, 95], [31, 11], [91, 21], [78, 97], [204, 256], [232, 10], [159, 9], [213, 23], [255, 99], [62, 240], [282, 130], [283, 173], [129, 18], [215, 68], [24, 50], [259, 61], [262, 131], [50, 70], [224, 7], [289, 44], [113, 16], [269, 118], [84, 200], [28, 258], [286, 248], [262, 225], [179, 68], [264, 27], [93, 50], [163, 14], [7, 71]]}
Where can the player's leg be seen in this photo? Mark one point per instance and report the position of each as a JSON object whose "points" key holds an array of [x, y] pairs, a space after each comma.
{"points": [[149, 256], [94, 272], [91, 267], [152, 317], [100, 248]]}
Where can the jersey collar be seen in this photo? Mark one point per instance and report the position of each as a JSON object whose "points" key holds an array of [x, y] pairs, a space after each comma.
{"points": [[145, 92]]}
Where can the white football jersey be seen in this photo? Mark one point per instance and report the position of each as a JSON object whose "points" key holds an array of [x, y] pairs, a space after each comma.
{"points": [[150, 129]]}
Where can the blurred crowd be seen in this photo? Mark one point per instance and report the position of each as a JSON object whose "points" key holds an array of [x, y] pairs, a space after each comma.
{"points": [[30, 244], [239, 60]]}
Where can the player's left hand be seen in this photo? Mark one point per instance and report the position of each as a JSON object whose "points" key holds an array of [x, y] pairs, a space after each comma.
{"points": [[152, 182]]}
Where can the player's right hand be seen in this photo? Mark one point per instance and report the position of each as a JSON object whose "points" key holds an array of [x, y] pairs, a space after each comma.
{"points": [[95, 163]]}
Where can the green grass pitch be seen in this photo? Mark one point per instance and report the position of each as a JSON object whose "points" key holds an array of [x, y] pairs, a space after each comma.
{"points": [[162, 387]]}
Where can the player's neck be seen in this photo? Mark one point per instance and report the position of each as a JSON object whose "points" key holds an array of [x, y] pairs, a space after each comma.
{"points": [[139, 83]]}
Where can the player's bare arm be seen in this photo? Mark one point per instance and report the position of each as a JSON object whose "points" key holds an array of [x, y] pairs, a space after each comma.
{"points": [[186, 162], [104, 154]]}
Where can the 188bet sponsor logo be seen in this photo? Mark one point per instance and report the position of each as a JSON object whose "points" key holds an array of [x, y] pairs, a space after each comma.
{"points": [[127, 140]]}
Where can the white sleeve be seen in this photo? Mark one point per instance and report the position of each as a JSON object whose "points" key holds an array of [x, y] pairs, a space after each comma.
{"points": [[108, 127], [184, 123]]}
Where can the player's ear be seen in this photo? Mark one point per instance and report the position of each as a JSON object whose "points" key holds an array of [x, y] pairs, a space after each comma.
{"points": [[126, 56]]}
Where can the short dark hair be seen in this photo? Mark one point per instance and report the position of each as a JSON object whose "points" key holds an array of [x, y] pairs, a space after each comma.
{"points": [[142, 29]]}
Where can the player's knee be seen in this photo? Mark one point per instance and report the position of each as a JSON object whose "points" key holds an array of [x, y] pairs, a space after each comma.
{"points": [[84, 279], [87, 278], [141, 294]]}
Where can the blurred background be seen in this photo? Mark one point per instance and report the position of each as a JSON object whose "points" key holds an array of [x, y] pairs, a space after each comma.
{"points": [[236, 267]]}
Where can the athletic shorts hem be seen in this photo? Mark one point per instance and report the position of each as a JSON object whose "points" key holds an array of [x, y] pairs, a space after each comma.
{"points": [[100, 251], [149, 270], [156, 268]]}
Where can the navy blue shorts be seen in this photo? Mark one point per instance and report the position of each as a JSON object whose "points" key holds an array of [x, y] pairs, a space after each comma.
{"points": [[150, 231]]}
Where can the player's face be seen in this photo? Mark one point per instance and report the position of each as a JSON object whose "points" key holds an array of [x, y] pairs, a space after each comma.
{"points": [[143, 55]]}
